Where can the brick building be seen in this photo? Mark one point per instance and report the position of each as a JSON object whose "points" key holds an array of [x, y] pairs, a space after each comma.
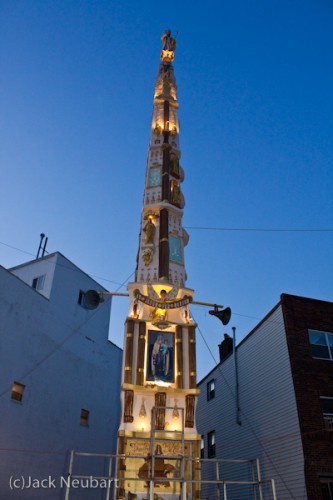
{"points": [[274, 395]]}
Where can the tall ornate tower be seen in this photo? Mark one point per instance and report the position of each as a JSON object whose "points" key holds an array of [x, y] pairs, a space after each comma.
{"points": [[157, 435]]}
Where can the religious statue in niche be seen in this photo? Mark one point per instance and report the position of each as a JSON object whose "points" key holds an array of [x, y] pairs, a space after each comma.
{"points": [[149, 229], [174, 165], [175, 193], [158, 129], [161, 356]]}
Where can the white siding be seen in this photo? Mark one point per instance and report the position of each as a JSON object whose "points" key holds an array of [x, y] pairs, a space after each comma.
{"points": [[62, 354], [269, 426]]}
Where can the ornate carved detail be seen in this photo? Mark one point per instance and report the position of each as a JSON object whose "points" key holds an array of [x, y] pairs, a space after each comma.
{"points": [[179, 352], [168, 47], [189, 411], [160, 402], [141, 353], [128, 409], [191, 355], [129, 352], [147, 255]]}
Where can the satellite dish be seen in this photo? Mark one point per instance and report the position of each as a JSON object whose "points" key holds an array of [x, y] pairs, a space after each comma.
{"points": [[223, 315], [91, 299]]}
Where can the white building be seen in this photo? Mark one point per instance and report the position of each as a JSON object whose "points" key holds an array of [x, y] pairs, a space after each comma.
{"points": [[59, 376]]}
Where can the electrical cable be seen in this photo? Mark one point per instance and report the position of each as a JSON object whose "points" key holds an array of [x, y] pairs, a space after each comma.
{"points": [[65, 339], [259, 230]]}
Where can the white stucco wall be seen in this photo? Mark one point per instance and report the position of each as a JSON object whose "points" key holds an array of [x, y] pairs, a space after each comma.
{"points": [[61, 353]]}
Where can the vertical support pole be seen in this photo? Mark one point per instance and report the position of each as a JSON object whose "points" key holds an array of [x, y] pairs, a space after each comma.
{"points": [[151, 490], [225, 491], [151, 463], [70, 470], [254, 480], [217, 479], [109, 475], [273, 489], [183, 494], [259, 479]]}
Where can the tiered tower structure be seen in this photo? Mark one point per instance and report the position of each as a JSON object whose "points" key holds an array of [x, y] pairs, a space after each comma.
{"points": [[157, 436]]}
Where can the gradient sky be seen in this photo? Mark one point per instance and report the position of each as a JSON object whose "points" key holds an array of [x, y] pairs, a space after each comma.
{"points": [[255, 84]]}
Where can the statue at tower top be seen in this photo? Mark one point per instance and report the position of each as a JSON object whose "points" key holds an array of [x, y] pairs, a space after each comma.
{"points": [[168, 47]]}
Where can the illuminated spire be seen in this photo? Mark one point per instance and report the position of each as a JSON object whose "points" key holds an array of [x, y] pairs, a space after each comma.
{"points": [[162, 238], [158, 390]]}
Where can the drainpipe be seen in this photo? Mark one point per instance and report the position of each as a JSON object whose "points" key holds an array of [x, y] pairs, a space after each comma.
{"points": [[238, 419]]}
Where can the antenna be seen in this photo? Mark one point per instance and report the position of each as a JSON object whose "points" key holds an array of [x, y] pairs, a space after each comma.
{"points": [[44, 248], [42, 236]]}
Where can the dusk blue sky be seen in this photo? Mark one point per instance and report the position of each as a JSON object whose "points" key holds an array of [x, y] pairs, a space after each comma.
{"points": [[255, 84]]}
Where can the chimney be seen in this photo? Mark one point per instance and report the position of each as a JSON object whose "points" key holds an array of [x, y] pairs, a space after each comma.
{"points": [[226, 347]]}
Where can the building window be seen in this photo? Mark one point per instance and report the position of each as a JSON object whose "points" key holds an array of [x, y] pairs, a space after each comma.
{"points": [[211, 444], [211, 390], [321, 344], [327, 409], [202, 447], [17, 391], [84, 419], [38, 282], [326, 488]]}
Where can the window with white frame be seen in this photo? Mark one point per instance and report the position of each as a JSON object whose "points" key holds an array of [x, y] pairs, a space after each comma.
{"points": [[211, 390], [38, 282], [202, 447], [327, 409], [211, 444], [321, 344]]}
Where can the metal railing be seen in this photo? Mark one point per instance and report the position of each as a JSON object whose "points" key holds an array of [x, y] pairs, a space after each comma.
{"points": [[222, 486]]}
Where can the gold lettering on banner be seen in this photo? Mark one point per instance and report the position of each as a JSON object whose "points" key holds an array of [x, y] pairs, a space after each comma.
{"points": [[168, 304]]}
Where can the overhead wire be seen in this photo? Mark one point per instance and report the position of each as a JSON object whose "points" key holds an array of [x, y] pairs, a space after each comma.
{"points": [[64, 340], [260, 230]]}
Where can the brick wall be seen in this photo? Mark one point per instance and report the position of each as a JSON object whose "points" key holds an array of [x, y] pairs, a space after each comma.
{"points": [[312, 378]]}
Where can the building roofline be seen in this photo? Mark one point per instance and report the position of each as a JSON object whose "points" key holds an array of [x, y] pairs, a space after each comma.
{"points": [[49, 256], [282, 302], [24, 283]]}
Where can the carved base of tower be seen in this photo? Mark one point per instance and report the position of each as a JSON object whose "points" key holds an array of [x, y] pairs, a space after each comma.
{"points": [[163, 466]]}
